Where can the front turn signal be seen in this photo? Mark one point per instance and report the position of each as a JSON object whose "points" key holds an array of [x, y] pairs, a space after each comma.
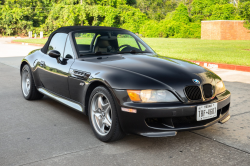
{"points": [[134, 95]]}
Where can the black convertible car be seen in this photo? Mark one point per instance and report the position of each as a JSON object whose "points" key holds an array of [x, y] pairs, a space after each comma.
{"points": [[122, 85]]}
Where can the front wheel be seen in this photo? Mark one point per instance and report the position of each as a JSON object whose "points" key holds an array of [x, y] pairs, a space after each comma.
{"points": [[28, 86], [103, 115]]}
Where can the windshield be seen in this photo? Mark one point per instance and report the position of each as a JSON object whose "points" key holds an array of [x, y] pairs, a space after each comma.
{"points": [[109, 42]]}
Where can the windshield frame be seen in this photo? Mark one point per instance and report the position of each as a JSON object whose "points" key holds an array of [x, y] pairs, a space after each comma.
{"points": [[120, 31]]}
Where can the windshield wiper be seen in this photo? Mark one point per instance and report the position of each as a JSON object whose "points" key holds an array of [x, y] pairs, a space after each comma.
{"points": [[112, 53], [97, 53], [132, 52]]}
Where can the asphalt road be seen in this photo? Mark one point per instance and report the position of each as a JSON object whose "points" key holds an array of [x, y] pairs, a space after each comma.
{"points": [[44, 132]]}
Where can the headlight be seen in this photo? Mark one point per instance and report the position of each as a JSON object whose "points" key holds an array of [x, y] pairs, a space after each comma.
{"points": [[151, 96], [220, 87]]}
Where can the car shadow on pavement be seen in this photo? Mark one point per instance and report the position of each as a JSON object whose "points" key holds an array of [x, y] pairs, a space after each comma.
{"points": [[67, 111]]}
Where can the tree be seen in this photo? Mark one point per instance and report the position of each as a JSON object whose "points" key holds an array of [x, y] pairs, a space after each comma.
{"points": [[156, 9]]}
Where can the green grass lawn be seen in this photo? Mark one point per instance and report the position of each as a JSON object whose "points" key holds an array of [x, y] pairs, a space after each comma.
{"points": [[221, 51], [36, 41]]}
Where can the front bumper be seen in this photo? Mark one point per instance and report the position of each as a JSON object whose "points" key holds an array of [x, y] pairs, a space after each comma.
{"points": [[165, 119]]}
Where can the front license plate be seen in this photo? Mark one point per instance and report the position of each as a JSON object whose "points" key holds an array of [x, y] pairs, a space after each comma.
{"points": [[207, 111]]}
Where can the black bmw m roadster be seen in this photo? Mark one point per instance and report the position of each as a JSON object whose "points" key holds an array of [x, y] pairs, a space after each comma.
{"points": [[122, 85]]}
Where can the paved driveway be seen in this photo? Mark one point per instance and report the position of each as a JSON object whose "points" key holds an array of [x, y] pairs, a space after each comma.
{"points": [[44, 132]]}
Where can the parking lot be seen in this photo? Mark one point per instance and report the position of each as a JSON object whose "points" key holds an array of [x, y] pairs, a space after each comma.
{"points": [[44, 132]]}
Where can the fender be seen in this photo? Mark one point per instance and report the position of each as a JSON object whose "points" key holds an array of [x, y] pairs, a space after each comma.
{"points": [[111, 77], [32, 59]]}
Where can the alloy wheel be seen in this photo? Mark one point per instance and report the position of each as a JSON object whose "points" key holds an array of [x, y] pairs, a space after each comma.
{"points": [[101, 114], [26, 82]]}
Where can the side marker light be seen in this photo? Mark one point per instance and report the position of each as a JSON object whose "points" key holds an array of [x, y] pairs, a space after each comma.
{"points": [[129, 110]]}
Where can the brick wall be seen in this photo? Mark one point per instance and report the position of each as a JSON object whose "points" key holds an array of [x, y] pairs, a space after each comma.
{"points": [[224, 30]]}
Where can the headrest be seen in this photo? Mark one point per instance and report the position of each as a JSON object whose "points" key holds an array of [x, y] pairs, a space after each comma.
{"points": [[108, 37], [102, 43]]}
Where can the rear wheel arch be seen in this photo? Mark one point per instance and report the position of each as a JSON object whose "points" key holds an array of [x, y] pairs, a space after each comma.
{"points": [[30, 92], [21, 68], [22, 65]]}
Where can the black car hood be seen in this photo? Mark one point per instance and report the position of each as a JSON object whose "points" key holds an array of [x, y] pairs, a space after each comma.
{"points": [[173, 72], [166, 70]]}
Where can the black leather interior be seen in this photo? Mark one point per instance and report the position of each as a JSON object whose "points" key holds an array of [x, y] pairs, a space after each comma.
{"points": [[101, 45]]}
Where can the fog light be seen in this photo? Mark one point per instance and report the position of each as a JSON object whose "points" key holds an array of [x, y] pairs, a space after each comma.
{"points": [[129, 110]]}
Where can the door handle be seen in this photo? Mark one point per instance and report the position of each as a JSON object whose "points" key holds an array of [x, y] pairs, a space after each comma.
{"points": [[42, 64]]}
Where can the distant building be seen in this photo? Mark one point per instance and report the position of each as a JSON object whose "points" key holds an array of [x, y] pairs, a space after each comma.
{"points": [[224, 30]]}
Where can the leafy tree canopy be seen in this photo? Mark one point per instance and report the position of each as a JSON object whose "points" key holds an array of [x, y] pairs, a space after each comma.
{"points": [[151, 18]]}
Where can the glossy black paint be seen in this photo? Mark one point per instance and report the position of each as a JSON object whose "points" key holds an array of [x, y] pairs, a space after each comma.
{"points": [[54, 54], [136, 124], [70, 77]]}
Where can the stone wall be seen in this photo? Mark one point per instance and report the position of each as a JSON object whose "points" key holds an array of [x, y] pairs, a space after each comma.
{"points": [[224, 30]]}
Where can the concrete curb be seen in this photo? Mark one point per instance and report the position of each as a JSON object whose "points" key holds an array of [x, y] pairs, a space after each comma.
{"points": [[222, 66]]}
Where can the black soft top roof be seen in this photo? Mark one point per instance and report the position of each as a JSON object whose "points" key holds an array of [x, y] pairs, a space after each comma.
{"points": [[78, 28], [74, 28]]}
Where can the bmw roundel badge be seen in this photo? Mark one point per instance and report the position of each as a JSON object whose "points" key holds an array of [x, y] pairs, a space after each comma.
{"points": [[196, 81]]}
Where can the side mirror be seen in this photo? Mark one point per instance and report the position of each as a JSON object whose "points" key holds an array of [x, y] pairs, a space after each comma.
{"points": [[54, 54]]}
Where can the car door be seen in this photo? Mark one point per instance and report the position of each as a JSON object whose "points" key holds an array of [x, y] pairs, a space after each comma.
{"points": [[54, 72], [77, 83]]}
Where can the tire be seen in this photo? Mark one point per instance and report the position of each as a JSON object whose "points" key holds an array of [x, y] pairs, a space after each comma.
{"points": [[103, 115], [28, 86]]}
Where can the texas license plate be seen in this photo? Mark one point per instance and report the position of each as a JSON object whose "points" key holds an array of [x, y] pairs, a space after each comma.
{"points": [[207, 111]]}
